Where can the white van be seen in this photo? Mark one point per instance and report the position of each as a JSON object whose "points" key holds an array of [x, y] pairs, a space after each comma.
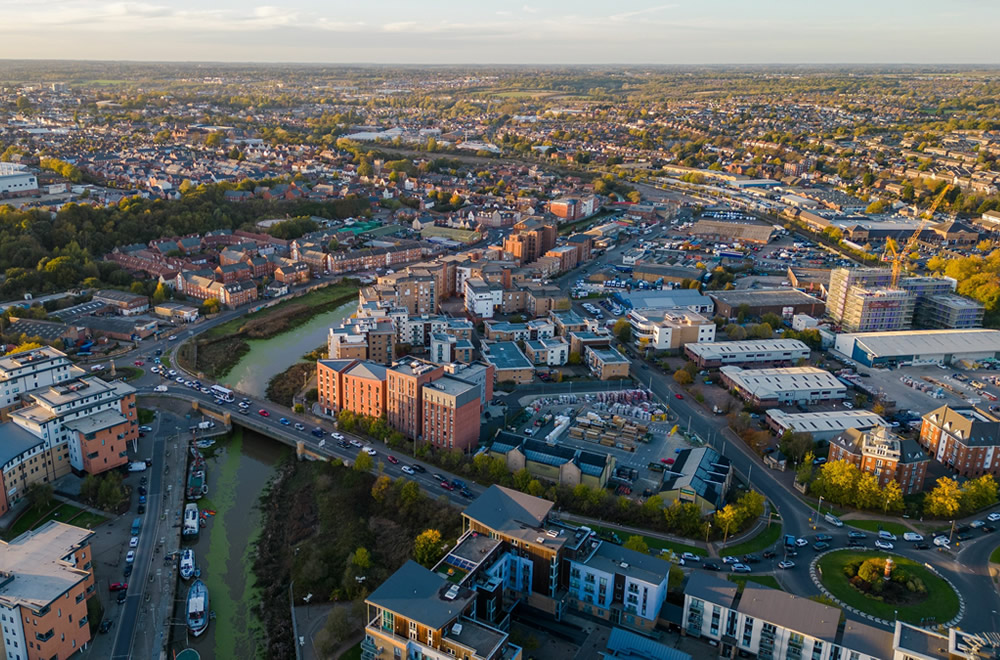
{"points": [[886, 536], [833, 520]]}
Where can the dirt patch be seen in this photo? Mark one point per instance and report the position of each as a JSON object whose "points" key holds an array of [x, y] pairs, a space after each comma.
{"points": [[282, 388]]}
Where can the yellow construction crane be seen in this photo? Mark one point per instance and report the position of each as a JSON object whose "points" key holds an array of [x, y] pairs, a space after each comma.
{"points": [[899, 255]]}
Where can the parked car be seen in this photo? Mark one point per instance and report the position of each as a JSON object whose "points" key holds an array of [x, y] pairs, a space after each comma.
{"points": [[130, 557], [801, 543], [678, 396], [118, 586], [447, 486], [730, 560], [133, 542], [105, 626], [690, 556], [976, 524], [883, 545], [128, 570], [356, 443], [370, 451], [942, 541], [337, 436], [786, 564], [912, 536], [438, 477], [856, 535], [770, 554], [751, 559], [740, 568], [710, 566], [921, 546], [122, 597], [141, 509], [886, 536], [408, 470]]}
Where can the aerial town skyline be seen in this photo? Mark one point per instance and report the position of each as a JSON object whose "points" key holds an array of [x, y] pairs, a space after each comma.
{"points": [[541, 32]]}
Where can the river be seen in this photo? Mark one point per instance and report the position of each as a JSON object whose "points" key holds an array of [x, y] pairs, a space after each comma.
{"points": [[269, 357], [238, 469]]}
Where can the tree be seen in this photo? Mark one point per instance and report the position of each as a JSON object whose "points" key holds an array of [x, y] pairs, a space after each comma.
{"points": [[638, 544], [736, 332], [751, 503], [944, 501], [381, 487], [682, 377], [211, 306], [574, 358], [427, 549], [837, 481], [213, 139], [23, 104], [363, 462], [978, 493], [365, 168], [361, 559], [40, 495], [878, 206], [26, 346], [728, 518], [161, 293], [795, 445], [623, 330], [804, 474]]}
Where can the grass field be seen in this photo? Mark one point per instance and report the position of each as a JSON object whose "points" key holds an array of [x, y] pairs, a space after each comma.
{"points": [[322, 296], [941, 601], [875, 525], [87, 520], [995, 557], [659, 544], [766, 580], [762, 541], [34, 517], [353, 653]]}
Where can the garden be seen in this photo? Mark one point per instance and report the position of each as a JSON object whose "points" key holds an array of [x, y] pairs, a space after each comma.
{"points": [[905, 590]]}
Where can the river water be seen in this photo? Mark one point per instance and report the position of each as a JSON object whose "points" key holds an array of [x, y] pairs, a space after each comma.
{"points": [[239, 466], [269, 357]]}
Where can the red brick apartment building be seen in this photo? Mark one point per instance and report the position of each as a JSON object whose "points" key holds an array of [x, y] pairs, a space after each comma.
{"points": [[451, 413], [354, 385], [404, 393], [879, 452], [965, 439]]}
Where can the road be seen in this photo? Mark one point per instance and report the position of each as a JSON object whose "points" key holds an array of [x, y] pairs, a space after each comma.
{"points": [[967, 571], [143, 555]]}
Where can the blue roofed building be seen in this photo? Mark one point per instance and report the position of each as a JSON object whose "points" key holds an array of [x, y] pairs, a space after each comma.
{"points": [[700, 475]]}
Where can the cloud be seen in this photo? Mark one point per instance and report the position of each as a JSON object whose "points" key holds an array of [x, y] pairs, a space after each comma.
{"points": [[528, 9], [624, 16]]}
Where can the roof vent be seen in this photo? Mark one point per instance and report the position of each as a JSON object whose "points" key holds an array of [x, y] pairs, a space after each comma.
{"points": [[624, 564], [452, 592], [456, 629]]}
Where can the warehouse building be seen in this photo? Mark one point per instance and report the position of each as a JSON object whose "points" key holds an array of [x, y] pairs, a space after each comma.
{"points": [[775, 387], [920, 346], [822, 425], [783, 302], [775, 352], [566, 466]]}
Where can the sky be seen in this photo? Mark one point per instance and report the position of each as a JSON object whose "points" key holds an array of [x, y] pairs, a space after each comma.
{"points": [[505, 32]]}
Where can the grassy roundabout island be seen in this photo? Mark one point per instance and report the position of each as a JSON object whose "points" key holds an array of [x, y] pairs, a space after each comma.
{"points": [[856, 579]]}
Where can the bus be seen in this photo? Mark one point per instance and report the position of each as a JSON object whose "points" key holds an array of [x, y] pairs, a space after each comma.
{"points": [[223, 393]]}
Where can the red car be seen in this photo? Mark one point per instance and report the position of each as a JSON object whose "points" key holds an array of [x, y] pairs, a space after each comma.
{"points": [[679, 396], [263, 413], [118, 586], [447, 486], [392, 459], [139, 363]]}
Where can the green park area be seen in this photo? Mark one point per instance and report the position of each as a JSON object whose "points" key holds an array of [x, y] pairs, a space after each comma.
{"points": [[912, 593], [39, 514], [877, 525], [762, 541]]}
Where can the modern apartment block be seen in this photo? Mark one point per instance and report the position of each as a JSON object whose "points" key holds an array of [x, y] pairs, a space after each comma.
{"points": [[355, 385], [511, 365], [450, 413], [418, 613], [93, 419], [773, 352], [606, 363], [30, 370], [882, 453], [448, 348], [552, 352], [404, 392], [363, 339], [46, 577], [670, 329], [770, 624], [530, 239], [965, 439], [510, 554], [860, 300]]}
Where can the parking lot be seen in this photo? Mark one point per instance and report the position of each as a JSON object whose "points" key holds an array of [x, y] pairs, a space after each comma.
{"points": [[941, 385]]}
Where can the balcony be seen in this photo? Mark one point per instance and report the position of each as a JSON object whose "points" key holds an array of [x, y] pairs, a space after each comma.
{"points": [[46, 636]]}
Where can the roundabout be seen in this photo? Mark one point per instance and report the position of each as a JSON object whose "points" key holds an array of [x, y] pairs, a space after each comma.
{"points": [[857, 580]]}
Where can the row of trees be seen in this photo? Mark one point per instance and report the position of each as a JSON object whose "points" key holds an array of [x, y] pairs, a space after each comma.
{"points": [[978, 278], [843, 483], [748, 508], [948, 499]]}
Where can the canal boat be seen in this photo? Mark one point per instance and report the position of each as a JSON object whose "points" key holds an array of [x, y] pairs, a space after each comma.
{"points": [[187, 564], [191, 526], [197, 608]]}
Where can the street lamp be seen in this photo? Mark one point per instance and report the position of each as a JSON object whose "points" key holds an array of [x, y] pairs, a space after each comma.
{"points": [[818, 505], [708, 530]]}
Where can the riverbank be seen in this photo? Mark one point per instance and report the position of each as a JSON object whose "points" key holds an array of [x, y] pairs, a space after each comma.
{"points": [[282, 388], [218, 350], [336, 533]]}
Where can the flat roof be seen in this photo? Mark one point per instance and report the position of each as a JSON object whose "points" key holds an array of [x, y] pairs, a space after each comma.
{"points": [[48, 330], [867, 639], [764, 382], [35, 356], [97, 422], [665, 298], [927, 644], [608, 355], [802, 615], [720, 349], [611, 558], [626, 645], [827, 421], [507, 355], [927, 342], [32, 569], [711, 589], [751, 297]]}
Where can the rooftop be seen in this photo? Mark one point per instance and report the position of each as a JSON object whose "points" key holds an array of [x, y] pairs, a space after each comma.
{"points": [[607, 355], [511, 512], [802, 615], [36, 356], [33, 571], [97, 422], [421, 595], [766, 383], [507, 355], [765, 297], [831, 420], [721, 349], [928, 342], [626, 645], [611, 558], [711, 589], [15, 441]]}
